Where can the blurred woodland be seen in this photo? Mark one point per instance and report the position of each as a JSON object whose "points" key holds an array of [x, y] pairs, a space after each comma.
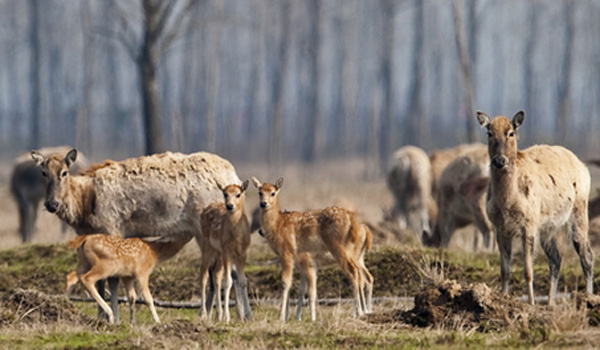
{"points": [[294, 80]]}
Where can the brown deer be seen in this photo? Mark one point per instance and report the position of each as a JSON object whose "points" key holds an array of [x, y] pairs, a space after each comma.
{"points": [[224, 241], [410, 181], [100, 256], [28, 187], [440, 159], [331, 229], [534, 193], [462, 198], [152, 196]]}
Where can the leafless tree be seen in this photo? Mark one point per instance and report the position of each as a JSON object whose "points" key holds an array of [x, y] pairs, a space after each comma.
{"points": [[34, 72], [465, 68], [563, 109], [162, 22], [415, 114]]}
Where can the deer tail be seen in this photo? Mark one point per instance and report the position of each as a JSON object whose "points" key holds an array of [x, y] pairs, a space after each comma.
{"points": [[76, 242], [368, 238]]}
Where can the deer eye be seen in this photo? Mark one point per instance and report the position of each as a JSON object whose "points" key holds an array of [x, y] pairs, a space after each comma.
{"points": [[44, 174], [511, 133], [225, 195], [238, 195], [64, 173], [489, 134], [272, 194]]}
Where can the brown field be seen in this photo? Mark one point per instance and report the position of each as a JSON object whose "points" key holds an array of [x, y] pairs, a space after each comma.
{"points": [[448, 315]]}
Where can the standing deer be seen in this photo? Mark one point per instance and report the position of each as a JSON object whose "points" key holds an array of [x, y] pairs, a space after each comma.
{"points": [[462, 198], [410, 181], [534, 193], [224, 240], [331, 229], [28, 187], [100, 256], [152, 196]]}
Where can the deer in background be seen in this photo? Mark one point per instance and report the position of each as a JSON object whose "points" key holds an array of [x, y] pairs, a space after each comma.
{"points": [[331, 229], [534, 193], [462, 198], [410, 181], [224, 241], [100, 256], [152, 196]]}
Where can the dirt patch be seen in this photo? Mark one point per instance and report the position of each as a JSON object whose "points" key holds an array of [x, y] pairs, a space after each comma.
{"points": [[182, 329], [451, 305], [591, 303], [29, 306]]}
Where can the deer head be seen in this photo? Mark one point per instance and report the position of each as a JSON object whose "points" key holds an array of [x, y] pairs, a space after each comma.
{"points": [[502, 138], [56, 172], [267, 192], [234, 195]]}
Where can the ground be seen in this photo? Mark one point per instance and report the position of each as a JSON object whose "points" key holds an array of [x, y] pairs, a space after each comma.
{"points": [[458, 304]]}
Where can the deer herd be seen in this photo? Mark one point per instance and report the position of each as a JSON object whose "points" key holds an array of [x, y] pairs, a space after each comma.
{"points": [[132, 214]]}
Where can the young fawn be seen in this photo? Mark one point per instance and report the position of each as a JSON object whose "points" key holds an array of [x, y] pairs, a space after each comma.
{"points": [[100, 256], [331, 229], [224, 241]]}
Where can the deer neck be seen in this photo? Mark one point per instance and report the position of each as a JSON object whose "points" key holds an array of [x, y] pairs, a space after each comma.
{"points": [[270, 218], [504, 182], [79, 201], [166, 250], [235, 217]]}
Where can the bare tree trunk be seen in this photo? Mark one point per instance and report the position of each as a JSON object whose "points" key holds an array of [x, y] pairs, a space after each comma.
{"points": [[349, 80], [148, 82], [314, 137], [387, 58], [276, 147], [82, 124], [374, 161], [466, 70], [34, 73], [528, 65], [415, 111], [213, 83], [564, 87]]}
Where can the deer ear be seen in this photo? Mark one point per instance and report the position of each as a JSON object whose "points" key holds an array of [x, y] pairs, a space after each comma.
{"points": [[279, 183], [256, 182], [518, 119], [245, 185], [71, 157], [37, 157], [484, 119]]}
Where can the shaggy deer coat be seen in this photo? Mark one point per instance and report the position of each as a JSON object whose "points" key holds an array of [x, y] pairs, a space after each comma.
{"points": [[462, 197], [158, 195], [410, 181], [28, 187], [533, 193]]}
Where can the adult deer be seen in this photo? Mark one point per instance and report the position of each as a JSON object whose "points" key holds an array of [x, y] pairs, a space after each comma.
{"points": [[534, 193]]}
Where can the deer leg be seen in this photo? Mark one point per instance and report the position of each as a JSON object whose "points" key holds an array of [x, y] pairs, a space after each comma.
{"points": [[89, 280], [301, 294], [312, 291], [367, 284], [145, 290], [287, 264], [227, 287], [32, 217], [548, 242], [129, 288], [204, 307], [579, 235], [241, 294], [113, 287], [528, 247], [505, 248], [218, 281]]}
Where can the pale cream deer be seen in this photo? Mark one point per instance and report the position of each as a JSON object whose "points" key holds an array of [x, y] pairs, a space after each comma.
{"points": [[331, 229], [534, 193]]}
